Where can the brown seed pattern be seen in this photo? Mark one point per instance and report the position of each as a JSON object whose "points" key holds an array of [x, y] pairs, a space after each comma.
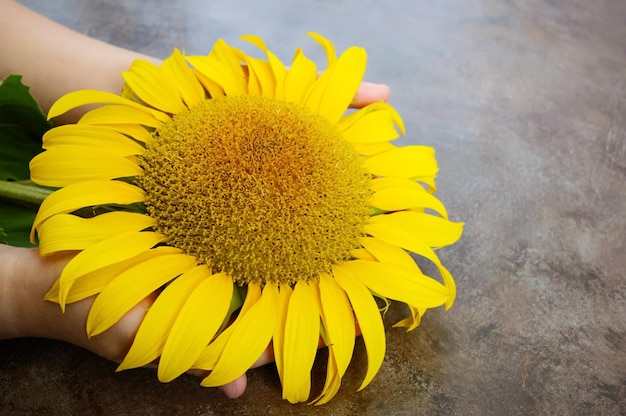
{"points": [[262, 189]]}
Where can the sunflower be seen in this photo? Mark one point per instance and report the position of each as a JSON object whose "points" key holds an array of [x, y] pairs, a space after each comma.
{"points": [[254, 203]]}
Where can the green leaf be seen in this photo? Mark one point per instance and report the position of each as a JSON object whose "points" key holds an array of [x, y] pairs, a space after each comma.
{"points": [[20, 108], [16, 222], [22, 125]]}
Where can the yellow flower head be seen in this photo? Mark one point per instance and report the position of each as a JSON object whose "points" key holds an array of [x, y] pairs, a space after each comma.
{"points": [[256, 206]]}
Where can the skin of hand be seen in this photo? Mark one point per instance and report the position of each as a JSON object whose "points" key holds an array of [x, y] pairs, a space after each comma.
{"points": [[25, 277], [30, 39]]}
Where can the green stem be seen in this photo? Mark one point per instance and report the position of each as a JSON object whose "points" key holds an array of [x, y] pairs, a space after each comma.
{"points": [[23, 192]]}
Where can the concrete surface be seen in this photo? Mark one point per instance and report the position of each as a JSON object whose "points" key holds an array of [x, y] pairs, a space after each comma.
{"points": [[525, 102]]}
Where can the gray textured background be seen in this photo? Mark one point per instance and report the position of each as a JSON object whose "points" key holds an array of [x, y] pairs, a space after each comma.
{"points": [[525, 102]]}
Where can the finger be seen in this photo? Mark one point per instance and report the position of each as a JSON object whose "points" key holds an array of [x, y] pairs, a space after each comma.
{"points": [[232, 390], [265, 358], [236, 388], [369, 93]]}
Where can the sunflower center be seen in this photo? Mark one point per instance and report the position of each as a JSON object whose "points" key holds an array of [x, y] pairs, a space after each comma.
{"points": [[262, 189]]}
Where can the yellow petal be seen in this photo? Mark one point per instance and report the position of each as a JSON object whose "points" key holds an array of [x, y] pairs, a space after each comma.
{"points": [[362, 254], [154, 86], [231, 58], [348, 121], [213, 88], [278, 69], [278, 338], [96, 138], [373, 124], [186, 82], [404, 238], [52, 294], [338, 320], [448, 281], [261, 80], [196, 323], [397, 194], [315, 93], [223, 67], [300, 78], [85, 194], [429, 181], [432, 230], [300, 343], [155, 327], [400, 283], [406, 162], [399, 236], [120, 114], [69, 232], [133, 131], [329, 48], [92, 283], [113, 250], [387, 253], [131, 287], [374, 128], [412, 321], [373, 149], [218, 73], [332, 383], [250, 337], [83, 97], [399, 199], [368, 318], [211, 354], [62, 166], [338, 90], [346, 76]]}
